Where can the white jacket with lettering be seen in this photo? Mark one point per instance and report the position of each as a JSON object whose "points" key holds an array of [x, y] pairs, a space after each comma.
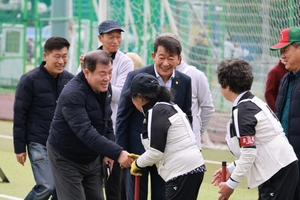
{"points": [[169, 141], [256, 138]]}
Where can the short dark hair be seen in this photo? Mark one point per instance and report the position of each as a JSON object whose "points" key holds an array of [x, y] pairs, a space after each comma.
{"points": [[98, 56], [56, 43], [170, 44], [235, 73]]}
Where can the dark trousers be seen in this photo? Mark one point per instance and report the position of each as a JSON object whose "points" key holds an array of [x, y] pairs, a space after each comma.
{"points": [[157, 184], [281, 185], [76, 181], [297, 192], [123, 188], [114, 186], [184, 187]]}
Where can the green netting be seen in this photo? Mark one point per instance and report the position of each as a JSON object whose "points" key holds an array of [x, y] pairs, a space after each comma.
{"points": [[209, 32]]}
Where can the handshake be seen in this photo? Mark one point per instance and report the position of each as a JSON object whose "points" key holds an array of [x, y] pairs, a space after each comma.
{"points": [[129, 160]]}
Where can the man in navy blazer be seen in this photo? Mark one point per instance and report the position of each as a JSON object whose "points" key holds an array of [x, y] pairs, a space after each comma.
{"points": [[129, 123]]}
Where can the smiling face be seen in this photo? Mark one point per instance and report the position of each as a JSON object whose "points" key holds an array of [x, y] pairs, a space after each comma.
{"points": [[165, 62], [100, 78], [56, 61], [290, 57], [111, 41]]}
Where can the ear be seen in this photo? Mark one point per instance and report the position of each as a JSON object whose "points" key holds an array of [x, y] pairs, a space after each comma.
{"points": [[45, 55], [139, 99], [100, 38], [179, 59], [142, 100], [153, 55], [86, 73]]}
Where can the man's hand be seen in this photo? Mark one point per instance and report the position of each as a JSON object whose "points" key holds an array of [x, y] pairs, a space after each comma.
{"points": [[81, 58], [108, 160], [21, 158], [134, 156], [217, 177], [124, 160], [225, 191], [134, 170]]}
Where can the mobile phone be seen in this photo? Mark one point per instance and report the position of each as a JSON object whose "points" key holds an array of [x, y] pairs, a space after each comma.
{"points": [[107, 170]]}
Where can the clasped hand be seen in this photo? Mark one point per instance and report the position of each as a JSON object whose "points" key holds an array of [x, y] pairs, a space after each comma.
{"points": [[126, 159], [224, 191], [134, 170]]}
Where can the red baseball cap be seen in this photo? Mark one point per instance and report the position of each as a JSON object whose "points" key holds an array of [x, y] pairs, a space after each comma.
{"points": [[287, 37]]}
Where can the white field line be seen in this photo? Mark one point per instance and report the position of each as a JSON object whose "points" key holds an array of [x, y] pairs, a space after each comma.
{"points": [[213, 162], [9, 197], [206, 161], [6, 137]]}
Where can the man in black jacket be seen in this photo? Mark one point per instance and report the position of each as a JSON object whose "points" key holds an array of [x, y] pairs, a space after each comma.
{"points": [[35, 102], [129, 125], [288, 100], [81, 132]]}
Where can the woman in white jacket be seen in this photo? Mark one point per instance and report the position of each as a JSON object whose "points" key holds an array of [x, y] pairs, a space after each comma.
{"points": [[168, 139], [256, 139]]}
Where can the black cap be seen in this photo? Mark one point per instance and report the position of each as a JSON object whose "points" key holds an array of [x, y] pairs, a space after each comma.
{"points": [[109, 25], [141, 83]]}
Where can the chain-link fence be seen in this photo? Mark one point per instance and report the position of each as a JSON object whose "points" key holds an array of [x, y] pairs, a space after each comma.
{"points": [[209, 31]]}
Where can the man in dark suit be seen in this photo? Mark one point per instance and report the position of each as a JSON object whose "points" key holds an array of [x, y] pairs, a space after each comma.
{"points": [[129, 123]]}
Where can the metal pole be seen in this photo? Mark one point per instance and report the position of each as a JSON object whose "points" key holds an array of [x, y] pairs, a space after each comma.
{"points": [[36, 24], [265, 36], [291, 12], [25, 20], [60, 9]]}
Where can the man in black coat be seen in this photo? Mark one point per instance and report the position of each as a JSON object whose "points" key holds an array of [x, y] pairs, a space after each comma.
{"points": [[288, 100], [35, 102], [81, 133], [166, 56]]}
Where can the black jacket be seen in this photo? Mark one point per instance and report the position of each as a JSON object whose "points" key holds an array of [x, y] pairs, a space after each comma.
{"points": [[294, 115], [35, 101], [82, 127]]}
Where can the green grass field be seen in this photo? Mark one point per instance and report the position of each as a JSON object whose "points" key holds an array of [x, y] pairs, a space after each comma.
{"points": [[21, 178]]}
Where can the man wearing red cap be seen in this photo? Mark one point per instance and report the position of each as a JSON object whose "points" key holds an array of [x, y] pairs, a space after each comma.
{"points": [[288, 100]]}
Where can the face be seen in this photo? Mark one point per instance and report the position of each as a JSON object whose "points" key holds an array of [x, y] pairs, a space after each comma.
{"points": [[111, 41], [290, 57], [100, 78], [138, 103], [226, 93], [165, 62], [56, 61]]}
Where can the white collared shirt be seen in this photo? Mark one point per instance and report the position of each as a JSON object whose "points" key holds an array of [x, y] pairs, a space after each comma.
{"points": [[168, 84], [238, 98]]}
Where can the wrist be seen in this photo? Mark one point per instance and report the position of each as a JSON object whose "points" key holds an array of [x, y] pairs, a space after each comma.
{"points": [[231, 183], [136, 164]]}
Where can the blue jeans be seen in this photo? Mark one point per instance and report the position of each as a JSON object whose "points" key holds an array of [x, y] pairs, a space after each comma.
{"points": [[42, 173]]}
